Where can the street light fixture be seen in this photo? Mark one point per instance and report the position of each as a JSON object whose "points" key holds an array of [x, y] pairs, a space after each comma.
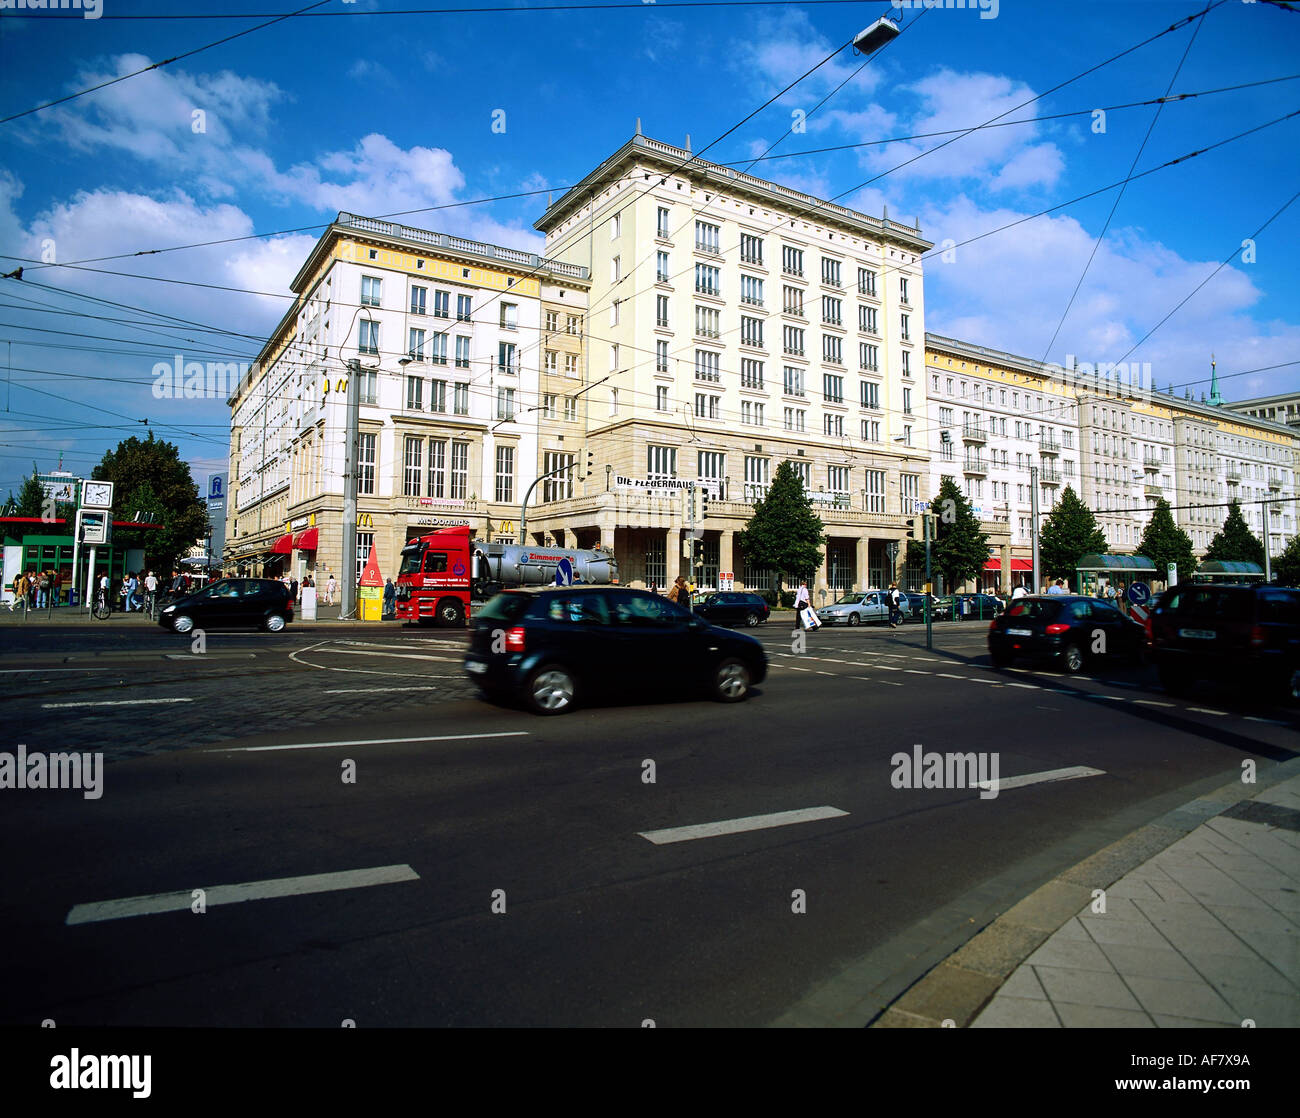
{"points": [[871, 39]]}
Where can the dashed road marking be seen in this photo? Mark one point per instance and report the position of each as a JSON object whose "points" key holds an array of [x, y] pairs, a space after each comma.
{"points": [[738, 826], [371, 741], [113, 703]]}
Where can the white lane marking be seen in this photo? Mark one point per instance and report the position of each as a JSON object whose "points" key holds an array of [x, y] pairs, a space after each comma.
{"points": [[882, 682], [395, 655], [1205, 710], [210, 656], [737, 826], [372, 690], [371, 741], [153, 903], [1150, 703], [1072, 773], [1029, 686], [51, 671], [113, 703], [1270, 721], [949, 675], [914, 671]]}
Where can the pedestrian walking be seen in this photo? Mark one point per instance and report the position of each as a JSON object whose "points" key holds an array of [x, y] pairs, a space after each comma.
{"points": [[103, 591], [293, 589], [122, 591], [1019, 592], [150, 593], [802, 601], [58, 587], [1057, 588], [42, 589], [390, 597], [133, 592], [331, 588], [895, 612], [679, 593]]}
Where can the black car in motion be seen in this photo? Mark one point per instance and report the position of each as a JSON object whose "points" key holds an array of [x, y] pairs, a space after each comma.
{"points": [[231, 603], [1065, 629], [732, 607], [555, 646]]}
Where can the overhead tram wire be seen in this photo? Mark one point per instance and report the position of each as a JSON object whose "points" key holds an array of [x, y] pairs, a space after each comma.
{"points": [[32, 264], [1097, 241]]}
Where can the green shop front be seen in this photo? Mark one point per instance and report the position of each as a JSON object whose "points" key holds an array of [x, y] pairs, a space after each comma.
{"points": [[1094, 571], [33, 544]]}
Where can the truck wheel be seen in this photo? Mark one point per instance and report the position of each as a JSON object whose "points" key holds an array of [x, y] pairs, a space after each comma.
{"points": [[451, 613], [551, 689]]}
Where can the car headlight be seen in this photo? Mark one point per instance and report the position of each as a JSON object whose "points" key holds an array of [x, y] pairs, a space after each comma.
{"points": [[169, 609]]}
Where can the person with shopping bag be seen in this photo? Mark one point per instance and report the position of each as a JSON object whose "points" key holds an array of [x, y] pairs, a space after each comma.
{"points": [[804, 617]]}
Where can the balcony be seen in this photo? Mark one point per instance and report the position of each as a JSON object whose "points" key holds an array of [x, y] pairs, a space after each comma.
{"points": [[974, 433], [1275, 481], [1049, 475], [1047, 444], [975, 464], [1153, 489], [1233, 473]]}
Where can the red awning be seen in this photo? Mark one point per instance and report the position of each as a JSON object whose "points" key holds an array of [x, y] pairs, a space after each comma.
{"points": [[305, 540], [1023, 565], [283, 545]]}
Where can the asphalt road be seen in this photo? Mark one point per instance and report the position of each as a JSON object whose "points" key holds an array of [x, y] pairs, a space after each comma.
{"points": [[466, 809]]}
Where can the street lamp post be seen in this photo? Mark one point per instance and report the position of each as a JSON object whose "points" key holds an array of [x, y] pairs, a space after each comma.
{"points": [[348, 573]]}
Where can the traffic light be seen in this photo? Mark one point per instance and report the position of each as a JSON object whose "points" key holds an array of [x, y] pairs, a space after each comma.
{"points": [[911, 529], [704, 503], [591, 462]]}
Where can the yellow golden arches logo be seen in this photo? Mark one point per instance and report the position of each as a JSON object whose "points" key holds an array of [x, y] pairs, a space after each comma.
{"points": [[325, 388], [507, 528], [365, 520], [341, 385]]}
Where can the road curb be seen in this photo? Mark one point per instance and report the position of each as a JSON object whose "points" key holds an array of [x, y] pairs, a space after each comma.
{"points": [[953, 993]]}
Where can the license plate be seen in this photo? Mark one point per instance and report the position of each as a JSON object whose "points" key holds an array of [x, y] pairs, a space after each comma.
{"points": [[1020, 632], [475, 667], [1198, 634]]}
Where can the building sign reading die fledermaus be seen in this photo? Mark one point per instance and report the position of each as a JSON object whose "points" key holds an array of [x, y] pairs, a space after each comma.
{"points": [[652, 484]]}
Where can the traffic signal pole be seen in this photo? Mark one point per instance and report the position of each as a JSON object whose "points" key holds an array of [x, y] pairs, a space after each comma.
{"points": [[929, 592]]}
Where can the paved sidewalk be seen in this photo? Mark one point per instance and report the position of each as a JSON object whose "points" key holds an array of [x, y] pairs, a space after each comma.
{"points": [[69, 615], [1191, 922]]}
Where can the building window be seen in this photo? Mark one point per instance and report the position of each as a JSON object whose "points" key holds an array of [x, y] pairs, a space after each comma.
{"points": [[661, 356], [411, 475], [909, 490], [507, 359], [661, 228], [414, 393], [552, 321], [571, 409], [707, 366], [803, 471], [615, 226], [616, 269], [613, 358], [832, 349], [366, 446], [793, 419], [438, 345], [548, 406], [712, 468], [369, 338], [505, 403], [832, 388], [831, 272], [570, 364], [869, 394], [365, 541], [505, 480], [751, 249], [661, 397], [463, 308], [902, 290], [707, 237], [613, 401], [757, 477], [792, 301], [907, 365], [707, 407], [792, 340], [509, 316], [793, 381], [661, 310], [751, 290], [436, 475], [442, 304], [661, 461], [907, 401], [751, 373], [418, 295], [875, 487], [438, 395], [415, 348], [833, 425], [832, 310], [559, 486], [708, 322], [461, 399], [368, 379], [708, 279], [370, 291], [792, 261], [871, 430], [867, 320], [751, 413], [837, 480], [459, 470], [661, 267], [751, 331], [868, 356]]}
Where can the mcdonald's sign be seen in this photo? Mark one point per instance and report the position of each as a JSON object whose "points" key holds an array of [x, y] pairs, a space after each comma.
{"points": [[365, 520], [507, 528]]}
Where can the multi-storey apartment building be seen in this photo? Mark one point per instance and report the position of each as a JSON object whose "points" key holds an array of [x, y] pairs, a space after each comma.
{"points": [[456, 380], [1120, 446], [1284, 408], [734, 324]]}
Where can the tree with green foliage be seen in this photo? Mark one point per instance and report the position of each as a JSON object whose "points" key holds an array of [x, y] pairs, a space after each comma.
{"points": [[1286, 567], [1069, 532], [1235, 542], [150, 477], [1163, 542], [784, 534], [960, 548]]}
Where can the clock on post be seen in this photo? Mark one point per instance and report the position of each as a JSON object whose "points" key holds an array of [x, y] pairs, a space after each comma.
{"points": [[97, 495]]}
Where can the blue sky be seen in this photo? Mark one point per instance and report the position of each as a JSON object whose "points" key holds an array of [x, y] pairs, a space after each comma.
{"points": [[378, 114]]}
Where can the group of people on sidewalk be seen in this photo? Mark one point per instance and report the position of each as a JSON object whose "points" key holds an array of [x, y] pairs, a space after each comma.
{"points": [[38, 589]]}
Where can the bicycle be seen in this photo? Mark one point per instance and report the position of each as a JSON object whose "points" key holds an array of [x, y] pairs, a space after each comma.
{"points": [[102, 610]]}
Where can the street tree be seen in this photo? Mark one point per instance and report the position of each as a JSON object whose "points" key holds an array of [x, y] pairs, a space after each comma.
{"points": [[171, 495], [1163, 542], [1286, 567], [960, 547], [1069, 532], [1235, 542], [784, 534]]}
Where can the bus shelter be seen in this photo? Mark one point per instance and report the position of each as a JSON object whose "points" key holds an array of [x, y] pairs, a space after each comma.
{"points": [[1224, 570], [1094, 571]]}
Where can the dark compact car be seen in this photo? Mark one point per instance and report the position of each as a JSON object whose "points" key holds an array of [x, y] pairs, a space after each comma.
{"points": [[733, 608], [231, 603], [978, 607], [1248, 636], [554, 646], [1066, 629]]}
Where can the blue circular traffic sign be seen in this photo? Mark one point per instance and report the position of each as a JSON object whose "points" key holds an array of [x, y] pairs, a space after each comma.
{"points": [[1139, 593], [564, 573]]}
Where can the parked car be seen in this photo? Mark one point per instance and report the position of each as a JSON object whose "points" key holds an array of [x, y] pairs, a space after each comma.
{"points": [[1068, 630], [978, 607], [1246, 636], [231, 603], [553, 647], [940, 608], [730, 607], [857, 608]]}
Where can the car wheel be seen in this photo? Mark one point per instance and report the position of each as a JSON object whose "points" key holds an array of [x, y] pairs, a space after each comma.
{"points": [[551, 689], [854, 619], [274, 623], [752, 619], [731, 681], [182, 623], [451, 613], [1072, 659]]}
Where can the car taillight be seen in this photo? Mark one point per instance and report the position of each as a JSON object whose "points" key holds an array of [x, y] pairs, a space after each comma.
{"points": [[1056, 630], [1257, 637], [993, 625], [515, 639]]}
